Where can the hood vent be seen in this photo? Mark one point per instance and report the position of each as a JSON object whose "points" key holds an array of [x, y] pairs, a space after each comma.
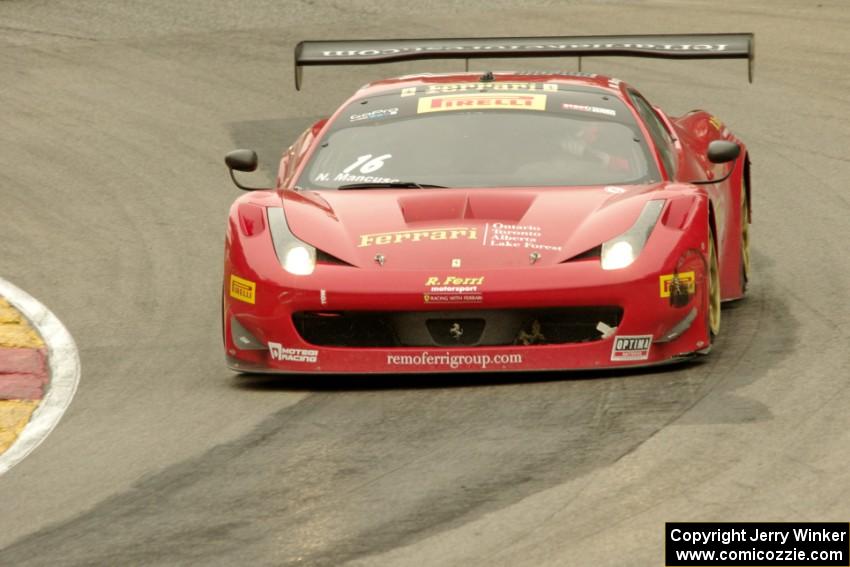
{"points": [[591, 254]]}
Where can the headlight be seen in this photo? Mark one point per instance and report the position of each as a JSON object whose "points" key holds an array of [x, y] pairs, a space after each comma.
{"points": [[296, 257], [621, 251], [618, 255], [300, 260]]}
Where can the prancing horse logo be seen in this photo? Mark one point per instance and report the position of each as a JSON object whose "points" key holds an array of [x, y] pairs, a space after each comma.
{"points": [[456, 331]]}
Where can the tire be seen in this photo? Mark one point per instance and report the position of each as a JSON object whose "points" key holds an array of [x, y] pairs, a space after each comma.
{"points": [[223, 324], [745, 239], [713, 288]]}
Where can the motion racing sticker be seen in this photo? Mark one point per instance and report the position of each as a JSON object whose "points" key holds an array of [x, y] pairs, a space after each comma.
{"points": [[279, 352]]}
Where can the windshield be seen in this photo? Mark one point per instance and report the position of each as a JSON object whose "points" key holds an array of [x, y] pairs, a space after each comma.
{"points": [[482, 135]]}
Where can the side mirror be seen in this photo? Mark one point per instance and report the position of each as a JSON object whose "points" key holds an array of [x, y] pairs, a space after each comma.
{"points": [[723, 151], [241, 160]]}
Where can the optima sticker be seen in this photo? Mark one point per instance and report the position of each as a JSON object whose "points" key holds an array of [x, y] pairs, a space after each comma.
{"points": [[635, 347], [243, 290], [685, 278], [481, 102]]}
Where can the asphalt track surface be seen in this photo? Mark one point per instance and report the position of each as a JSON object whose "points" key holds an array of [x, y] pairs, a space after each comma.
{"points": [[114, 118]]}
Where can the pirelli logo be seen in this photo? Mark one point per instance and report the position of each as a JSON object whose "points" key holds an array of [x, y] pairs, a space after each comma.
{"points": [[496, 101], [381, 238], [685, 279], [243, 290]]}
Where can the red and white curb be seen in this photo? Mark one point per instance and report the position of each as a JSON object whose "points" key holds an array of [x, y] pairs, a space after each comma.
{"points": [[64, 364]]}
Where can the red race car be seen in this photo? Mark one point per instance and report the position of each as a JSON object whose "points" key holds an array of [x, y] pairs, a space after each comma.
{"points": [[490, 221]]}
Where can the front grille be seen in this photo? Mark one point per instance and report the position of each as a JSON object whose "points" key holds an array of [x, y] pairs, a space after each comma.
{"points": [[555, 325], [455, 332], [353, 328]]}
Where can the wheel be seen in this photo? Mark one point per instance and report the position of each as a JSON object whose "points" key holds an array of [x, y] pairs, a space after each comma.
{"points": [[745, 240], [713, 288], [223, 323]]}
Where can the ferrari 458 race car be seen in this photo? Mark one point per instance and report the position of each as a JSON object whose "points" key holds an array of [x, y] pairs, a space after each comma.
{"points": [[490, 221]]}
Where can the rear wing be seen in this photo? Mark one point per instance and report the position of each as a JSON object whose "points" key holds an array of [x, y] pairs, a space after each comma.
{"points": [[664, 46]]}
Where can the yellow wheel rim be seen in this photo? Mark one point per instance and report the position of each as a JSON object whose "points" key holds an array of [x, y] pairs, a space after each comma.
{"points": [[713, 288]]}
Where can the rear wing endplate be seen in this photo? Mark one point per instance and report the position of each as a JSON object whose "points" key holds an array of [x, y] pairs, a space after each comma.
{"points": [[664, 46]]}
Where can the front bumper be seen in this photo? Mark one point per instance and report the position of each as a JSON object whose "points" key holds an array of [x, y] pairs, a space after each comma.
{"points": [[642, 337]]}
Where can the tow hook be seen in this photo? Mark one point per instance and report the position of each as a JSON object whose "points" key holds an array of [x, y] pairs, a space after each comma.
{"points": [[680, 294]]}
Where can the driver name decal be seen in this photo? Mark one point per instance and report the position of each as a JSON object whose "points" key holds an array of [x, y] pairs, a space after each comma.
{"points": [[365, 165]]}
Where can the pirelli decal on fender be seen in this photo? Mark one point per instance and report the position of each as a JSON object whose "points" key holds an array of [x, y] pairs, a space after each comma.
{"points": [[382, 238], [503, 101], [684, 278], [633, 347], [242, 289]]}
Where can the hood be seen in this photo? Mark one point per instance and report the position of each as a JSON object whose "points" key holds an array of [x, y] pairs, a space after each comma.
{"points": [[421, 228]]}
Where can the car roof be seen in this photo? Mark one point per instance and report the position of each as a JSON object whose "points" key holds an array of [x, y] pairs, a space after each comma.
{"points": [[569, 78]]}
